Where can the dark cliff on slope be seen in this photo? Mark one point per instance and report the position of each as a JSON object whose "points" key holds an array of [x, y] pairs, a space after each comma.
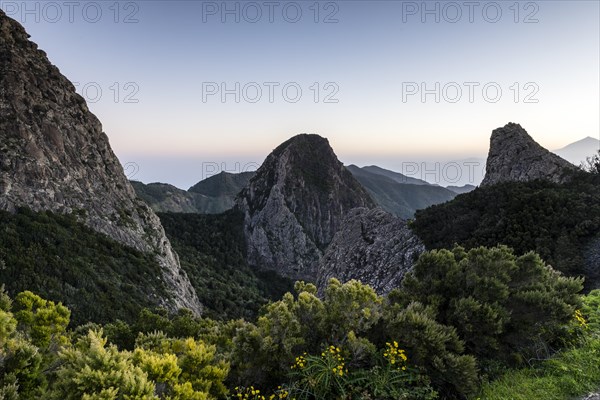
{"points": [[55, 156]]}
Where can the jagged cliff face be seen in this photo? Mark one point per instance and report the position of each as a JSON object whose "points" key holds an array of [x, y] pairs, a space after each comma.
{"points": [[515, 157], [372, 246], [295, 204], [55, 156]]}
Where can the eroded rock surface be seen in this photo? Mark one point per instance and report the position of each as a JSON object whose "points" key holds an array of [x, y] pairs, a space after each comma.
{"points": [[372, 246]]}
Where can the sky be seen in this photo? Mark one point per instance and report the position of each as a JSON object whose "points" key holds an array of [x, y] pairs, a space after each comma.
{"points": [[185, 89]]}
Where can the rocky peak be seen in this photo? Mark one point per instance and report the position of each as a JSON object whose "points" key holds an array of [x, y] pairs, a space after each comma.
{"points": [[55, 156], [515, 157], [295, 204]]}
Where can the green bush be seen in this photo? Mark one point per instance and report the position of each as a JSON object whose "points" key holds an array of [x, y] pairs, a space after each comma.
{"points": [[328, 376], [591, 310], [181, 365], [93, 370], [506, 308], [433, 347], [352, 317]]}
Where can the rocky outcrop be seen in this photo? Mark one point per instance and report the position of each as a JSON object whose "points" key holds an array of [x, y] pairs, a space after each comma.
{"points": [[55, 156], [295, 204], [373, 247], [515, 157]]}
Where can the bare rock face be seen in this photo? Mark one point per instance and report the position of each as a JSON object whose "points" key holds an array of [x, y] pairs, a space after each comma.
{"points": [[295, 204], [372, 246], [55, 156], [515, 157]]}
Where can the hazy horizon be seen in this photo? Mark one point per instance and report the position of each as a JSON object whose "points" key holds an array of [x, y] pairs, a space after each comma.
{"points": [[179, 81], [448, 171]]}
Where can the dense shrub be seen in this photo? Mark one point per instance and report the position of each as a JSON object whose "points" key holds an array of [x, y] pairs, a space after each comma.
{"points": [[38, 360], [572, 372], [434, 347], [352, 318], [506, 308], [458, 311]]}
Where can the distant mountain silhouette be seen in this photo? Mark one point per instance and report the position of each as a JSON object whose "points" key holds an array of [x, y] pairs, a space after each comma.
{"points": [[578, 151], [212, 195], [396, 176], [461, 189], [222, 184], [400, 199]]}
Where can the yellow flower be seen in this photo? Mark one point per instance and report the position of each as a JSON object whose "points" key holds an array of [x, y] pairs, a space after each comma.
{"points": [[395, 355], [300, 362], [580, 319]]}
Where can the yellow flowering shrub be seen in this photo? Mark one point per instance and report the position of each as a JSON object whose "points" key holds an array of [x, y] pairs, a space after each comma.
{"points": [[580, 319], [300, 362], [395, 355], [252, 393]]}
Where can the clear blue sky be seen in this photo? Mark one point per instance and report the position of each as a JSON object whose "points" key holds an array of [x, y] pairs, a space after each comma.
{"points": [[373, 57]]}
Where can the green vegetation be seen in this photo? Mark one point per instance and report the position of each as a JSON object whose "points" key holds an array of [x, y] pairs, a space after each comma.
{"points": [[401, 199], [59, 258], [484, 323], [507, 309], [556, 221], [163, 197], [349, 344], [101, 280], [154, 192], [212, 250], [572, 372], [39, 360]]}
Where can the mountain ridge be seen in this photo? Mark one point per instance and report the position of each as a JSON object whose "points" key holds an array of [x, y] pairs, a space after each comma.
{"points": [[213, 195], [400, 199], [577, 152]]}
